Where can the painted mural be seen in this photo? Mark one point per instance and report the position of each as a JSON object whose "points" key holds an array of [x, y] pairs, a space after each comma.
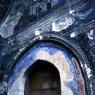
{"points": [[72, 82]]}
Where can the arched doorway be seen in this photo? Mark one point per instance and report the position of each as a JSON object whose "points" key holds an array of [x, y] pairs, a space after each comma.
{"points": [[28, 70], [43, 79]]}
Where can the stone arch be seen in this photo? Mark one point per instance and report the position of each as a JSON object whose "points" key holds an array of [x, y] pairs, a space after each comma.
{"points": [[56, 55]]}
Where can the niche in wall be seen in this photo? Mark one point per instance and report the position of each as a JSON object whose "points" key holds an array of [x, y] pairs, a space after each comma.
{"points": [[43, 79]]}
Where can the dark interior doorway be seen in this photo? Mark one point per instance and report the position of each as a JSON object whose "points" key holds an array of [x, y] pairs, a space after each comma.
{"points": [[43, 79]]}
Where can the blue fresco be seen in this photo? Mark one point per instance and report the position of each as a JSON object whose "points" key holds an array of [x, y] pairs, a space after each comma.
{"points": [[30, 57]]}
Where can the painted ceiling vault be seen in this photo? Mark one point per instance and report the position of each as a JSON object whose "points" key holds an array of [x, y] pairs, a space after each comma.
{"points": [[71, 22]]}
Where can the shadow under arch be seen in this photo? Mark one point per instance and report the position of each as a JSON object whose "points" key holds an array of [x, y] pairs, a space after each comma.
{"points": [[42, 78]]}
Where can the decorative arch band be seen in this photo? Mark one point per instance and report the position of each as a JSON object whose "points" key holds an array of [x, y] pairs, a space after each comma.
{"points": [[72, 81]]}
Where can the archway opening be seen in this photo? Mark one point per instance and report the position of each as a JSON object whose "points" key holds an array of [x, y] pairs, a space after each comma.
{"points": [[42, 79]]}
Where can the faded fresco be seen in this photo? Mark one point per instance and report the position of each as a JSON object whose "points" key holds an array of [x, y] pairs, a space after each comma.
{"points": [[68, 22], [67, 65]]}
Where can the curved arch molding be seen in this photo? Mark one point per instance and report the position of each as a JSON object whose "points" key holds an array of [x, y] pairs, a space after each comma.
{"points": [[72, 81]]}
